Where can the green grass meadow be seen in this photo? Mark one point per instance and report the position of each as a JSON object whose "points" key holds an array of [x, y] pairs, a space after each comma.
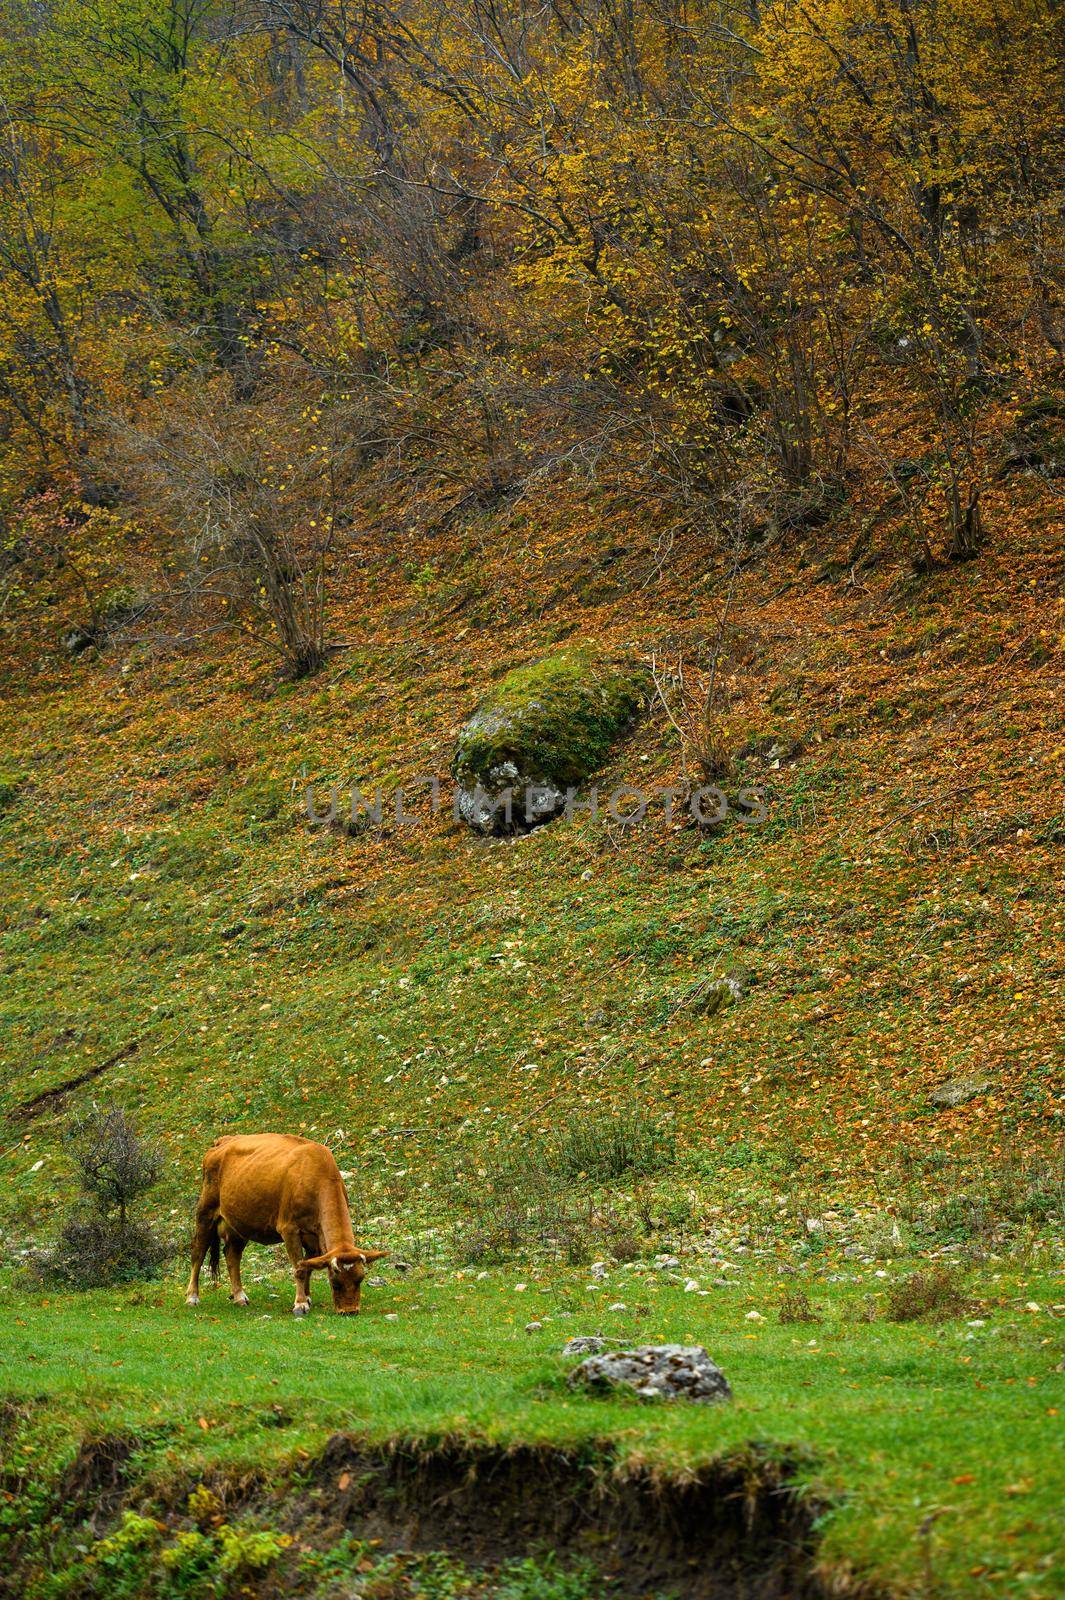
{"points": [[931, 1446]]}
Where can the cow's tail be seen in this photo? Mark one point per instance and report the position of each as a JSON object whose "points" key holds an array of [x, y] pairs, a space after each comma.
{"points": [[214, 1250]]}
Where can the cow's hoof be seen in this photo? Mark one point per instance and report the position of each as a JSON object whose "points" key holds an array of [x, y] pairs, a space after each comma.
{"points": [[240, 1299], [300, 1309], [192, 1299]]}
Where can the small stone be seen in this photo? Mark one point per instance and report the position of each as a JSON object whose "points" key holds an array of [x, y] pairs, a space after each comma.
{"points": [[619, 1305], [533, 1327], [755, 1316], [692, 1286], [956, 1091], [391, 1316], [583, 1344]]}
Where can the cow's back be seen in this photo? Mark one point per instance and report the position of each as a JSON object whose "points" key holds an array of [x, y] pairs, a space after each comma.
{"points": [[261, 1175]]}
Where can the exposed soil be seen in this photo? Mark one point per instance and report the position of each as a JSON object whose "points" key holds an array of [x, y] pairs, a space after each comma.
{"points": [[94, 1485], [734, 1531], [51, 1099]]}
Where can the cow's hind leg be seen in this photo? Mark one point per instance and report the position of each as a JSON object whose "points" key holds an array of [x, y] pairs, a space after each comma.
{"points": [[204, 1238], [234, 1249], [296, 1254]]}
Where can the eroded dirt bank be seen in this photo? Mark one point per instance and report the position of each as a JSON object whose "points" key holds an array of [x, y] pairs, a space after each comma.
{"points": [[732, 1530], [735, 1530]]}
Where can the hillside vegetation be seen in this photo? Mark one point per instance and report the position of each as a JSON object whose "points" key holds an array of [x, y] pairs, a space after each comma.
{"points": [[688, 379]]}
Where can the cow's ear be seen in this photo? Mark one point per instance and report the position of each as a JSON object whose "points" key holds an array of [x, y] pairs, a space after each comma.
{"points": [[370, 1256]]}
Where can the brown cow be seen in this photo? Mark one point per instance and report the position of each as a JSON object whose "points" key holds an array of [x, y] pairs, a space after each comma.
{"points": [[274, 1188]]}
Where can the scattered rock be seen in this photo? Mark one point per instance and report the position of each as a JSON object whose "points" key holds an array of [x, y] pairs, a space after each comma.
{"points": [[956, 1091], [545, 730], [533, 1327], [1037, 439], [619, 1305], [656, 1372], [78, 640], [583, 1344], [710, 995]]}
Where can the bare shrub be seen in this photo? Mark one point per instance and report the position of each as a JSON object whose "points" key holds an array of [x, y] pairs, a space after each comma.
{"points": [[254, 499], [520, 1202], [795, 1307], [115, 1166]]}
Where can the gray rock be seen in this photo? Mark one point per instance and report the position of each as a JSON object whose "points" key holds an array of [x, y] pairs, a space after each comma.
{"points": [[505, 801], [956, 1091], [583, 1344], [656, 1372]]}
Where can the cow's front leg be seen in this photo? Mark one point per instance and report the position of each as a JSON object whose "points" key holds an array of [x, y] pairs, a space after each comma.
{"points": [[234, 1249], [294, 1246]]}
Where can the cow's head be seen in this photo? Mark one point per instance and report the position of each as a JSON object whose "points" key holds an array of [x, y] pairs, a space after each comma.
{"points": [[346, 1269]]}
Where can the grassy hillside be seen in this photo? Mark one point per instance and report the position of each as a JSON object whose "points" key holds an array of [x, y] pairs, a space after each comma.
{"points": [[468, 1023]]}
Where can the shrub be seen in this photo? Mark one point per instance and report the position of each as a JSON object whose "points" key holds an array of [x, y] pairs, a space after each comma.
{"points": [[795, 1307], [100, 1250], [932, 1295], [98, 1242], [613, 1146]]}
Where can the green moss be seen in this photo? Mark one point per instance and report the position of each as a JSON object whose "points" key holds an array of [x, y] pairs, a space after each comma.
{"points": [[10, 785], [555, 720]]}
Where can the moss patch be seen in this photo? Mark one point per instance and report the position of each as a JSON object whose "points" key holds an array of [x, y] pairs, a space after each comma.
{"points": [[556, 720]]}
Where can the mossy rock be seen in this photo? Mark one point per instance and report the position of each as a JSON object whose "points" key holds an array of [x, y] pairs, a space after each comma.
{"points": [[545, 729]]}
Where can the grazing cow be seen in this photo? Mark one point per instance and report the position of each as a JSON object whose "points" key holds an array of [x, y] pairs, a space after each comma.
{"points": [[276, 1188]]}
